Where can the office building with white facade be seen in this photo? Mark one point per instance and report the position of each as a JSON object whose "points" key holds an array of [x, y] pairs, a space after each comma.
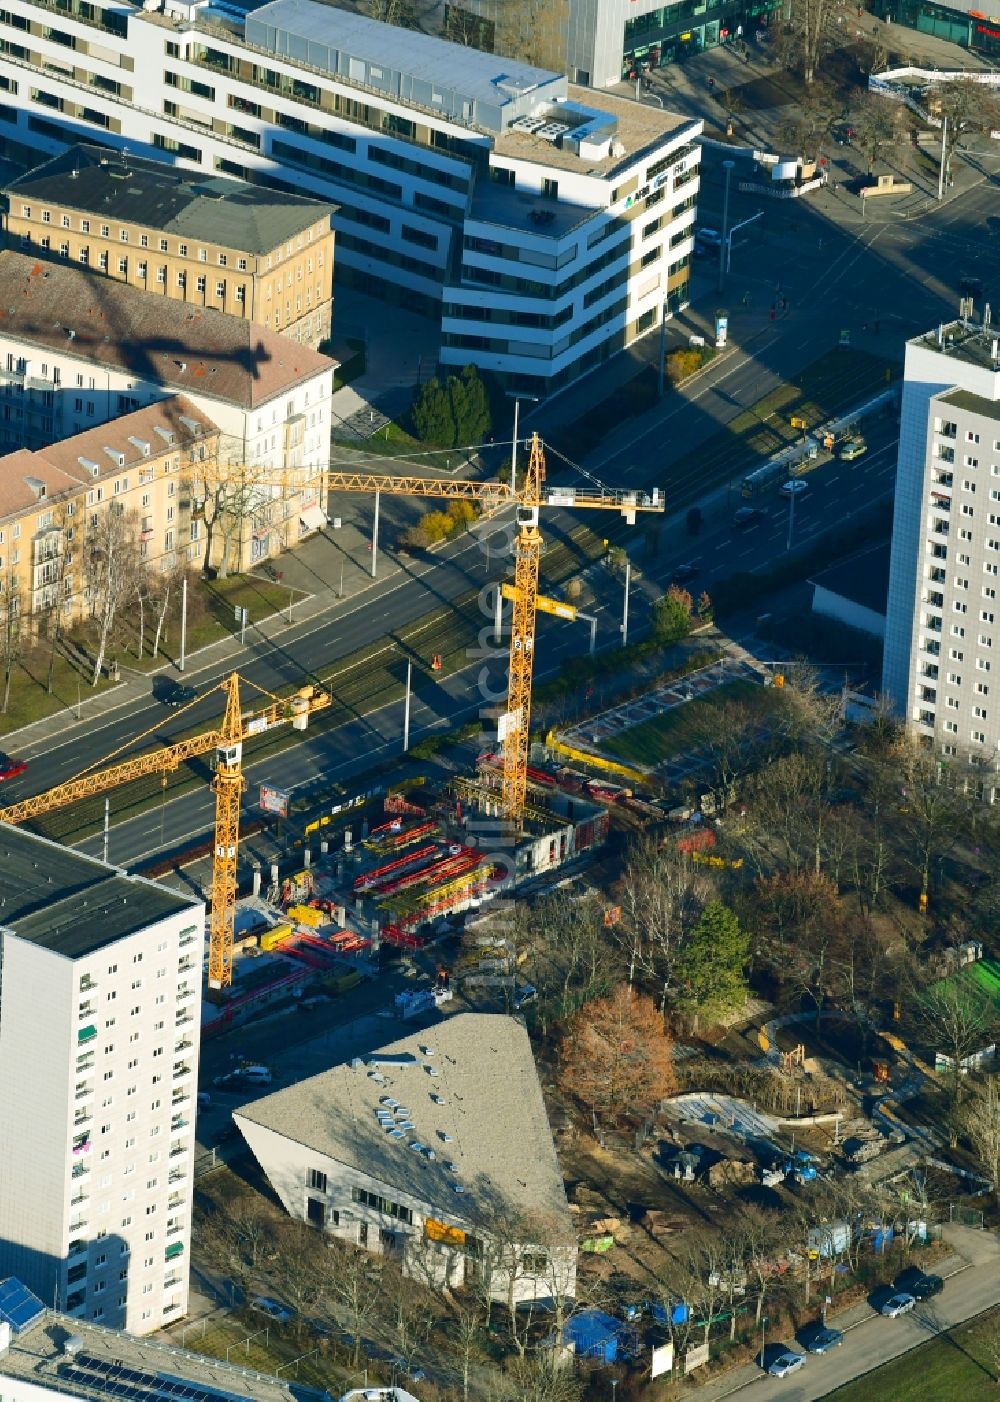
{"points": [[434, 1150], [941, 666], [547, 226], [100, 1011]]}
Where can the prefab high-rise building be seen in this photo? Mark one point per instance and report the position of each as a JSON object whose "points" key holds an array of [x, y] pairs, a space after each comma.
{"points": [[100, 1005], [941, 667]]}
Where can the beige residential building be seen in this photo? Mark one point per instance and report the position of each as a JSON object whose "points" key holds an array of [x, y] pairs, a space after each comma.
{"points": [[149, 465], [210, 241]]}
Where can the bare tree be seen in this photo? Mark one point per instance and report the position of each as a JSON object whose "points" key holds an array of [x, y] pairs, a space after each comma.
{"points": [[534, 31], [982, 1125], [809, 34], [301, 1269], [238, 1237], [112, 566], [957, 1018], [880, 123], [10, 631], [232, 494], [356, 1279], [661, 894]]}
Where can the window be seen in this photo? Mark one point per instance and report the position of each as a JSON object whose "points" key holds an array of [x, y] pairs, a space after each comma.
{"points": [[161, 275], [983, 664], [241, 263], [163, 245], [182, 278], [241, 294], [979, 712], [46, 216], [959, 606], [971, 437], [143, 240], [182, 250], [954, 679], [956, 655], [123, 266], [968, 486], [220, 290], [141, 271], [981, 689], [951, 726], [105, 231], [223, 260], [985, 616], [985, 640], [201, 284], [960, 583], [316, 1178]]}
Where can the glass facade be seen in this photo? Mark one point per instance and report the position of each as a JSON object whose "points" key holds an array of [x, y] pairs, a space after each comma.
{"points": [[675, 32], [944, 23]]}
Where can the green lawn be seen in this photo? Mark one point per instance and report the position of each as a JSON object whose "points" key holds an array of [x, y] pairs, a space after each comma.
{"points": [[960, 1366], [29, 695], [679, 730]]}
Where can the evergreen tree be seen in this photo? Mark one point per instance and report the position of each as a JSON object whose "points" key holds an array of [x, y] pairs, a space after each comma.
{"points": [[470, 407], [433, 417], [671, 616], [710, 967]]}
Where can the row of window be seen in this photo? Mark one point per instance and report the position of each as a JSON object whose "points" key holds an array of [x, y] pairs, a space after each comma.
{"points": [[124, 236]]}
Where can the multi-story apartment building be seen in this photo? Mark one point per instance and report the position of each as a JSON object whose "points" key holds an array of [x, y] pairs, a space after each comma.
{"points": [[149, 465], [219, 243], [77, 349], [99, 1024], [942, 643], [560, 226]]}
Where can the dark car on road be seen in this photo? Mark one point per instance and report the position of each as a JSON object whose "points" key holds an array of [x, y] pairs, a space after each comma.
{"points": [[821, 1339], [177, 694], [918, 1283], [748, 516], [10, 768], [683, 573]]}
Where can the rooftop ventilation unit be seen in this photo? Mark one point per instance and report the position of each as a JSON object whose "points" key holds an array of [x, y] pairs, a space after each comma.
{"points": [[529, 124], [552, 131]]}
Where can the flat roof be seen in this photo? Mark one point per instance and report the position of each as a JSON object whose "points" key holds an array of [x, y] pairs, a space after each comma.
{"points": [[968, 341], [863, 579], [217, 210], [56, 306], [640, 127], [36, 1356], [405, 63], [73, 904], [971, 403], [471, 1094]]}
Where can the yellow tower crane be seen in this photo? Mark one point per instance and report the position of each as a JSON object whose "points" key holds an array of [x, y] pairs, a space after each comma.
{"points": [[228, 784], [528, 498]]}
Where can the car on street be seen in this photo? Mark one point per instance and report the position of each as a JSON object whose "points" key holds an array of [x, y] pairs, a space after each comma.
{"points": [[10, 768], [708, 238], [788, 1361], [918, 1283], [852, 448], [177, 694], [794, 487], [683, 573], [281, 1314], [748, 516], [822, 1340], [900, 1303]]}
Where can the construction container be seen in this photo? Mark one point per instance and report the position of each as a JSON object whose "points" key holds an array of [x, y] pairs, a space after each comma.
{"points": [[275, 936], [307, 915]]}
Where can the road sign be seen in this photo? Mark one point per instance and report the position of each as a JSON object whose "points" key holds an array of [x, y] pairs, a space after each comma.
{"points": [[274, 800]]}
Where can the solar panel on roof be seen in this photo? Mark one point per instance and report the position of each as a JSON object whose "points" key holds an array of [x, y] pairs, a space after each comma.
{"points": [[18, 1306]]}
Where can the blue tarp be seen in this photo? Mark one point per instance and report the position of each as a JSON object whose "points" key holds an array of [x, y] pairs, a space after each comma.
{"points": [[593, 1334]]}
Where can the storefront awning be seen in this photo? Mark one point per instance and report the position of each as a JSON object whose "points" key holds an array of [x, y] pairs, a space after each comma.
{"points": [[312, 518]]}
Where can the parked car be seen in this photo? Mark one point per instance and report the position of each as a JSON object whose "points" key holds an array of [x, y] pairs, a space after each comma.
{"points": [[851, 448], [10, 768], [789, 1361], [281, 1314], [900, 1303], [177, 694], [794, 487], [683, 573], [918, 1283], [706, 240], [822, 1339], [748, 516]]}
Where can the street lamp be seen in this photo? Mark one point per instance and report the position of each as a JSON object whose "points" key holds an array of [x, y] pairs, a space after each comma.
{"points": [[727, 166], [517, 398]]}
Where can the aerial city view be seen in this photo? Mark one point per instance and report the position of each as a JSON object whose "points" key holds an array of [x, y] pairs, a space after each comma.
{"points": [[499, 743]]}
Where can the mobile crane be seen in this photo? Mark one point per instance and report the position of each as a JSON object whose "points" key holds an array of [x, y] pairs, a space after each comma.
{"points": [[227, 741]]}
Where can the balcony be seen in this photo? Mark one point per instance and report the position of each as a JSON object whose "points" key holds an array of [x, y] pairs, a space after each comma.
{"points": [[171, 1283], [76, 1273], [79, 1224], [178, 1124], [80, 1170], [85, 1063], [185, 1044], [177, 1152], [77, 1247], [86, 1034], [176, 1229], [936, 575], [175, 1249], [175, 1201], [931, 647], [930, 671], [941, 527], [86, 1010], [184, 992], [933, 625], [185, 966], [183, 1018], [87, 984], [187, 937], [934, 599], [181, 1071], [83, 1092], [76, 1301]]}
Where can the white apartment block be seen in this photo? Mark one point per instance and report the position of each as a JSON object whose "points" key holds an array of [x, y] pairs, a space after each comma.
{"points": [[77, 350], [942, 644], [99, 1027], [546, 225]]}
